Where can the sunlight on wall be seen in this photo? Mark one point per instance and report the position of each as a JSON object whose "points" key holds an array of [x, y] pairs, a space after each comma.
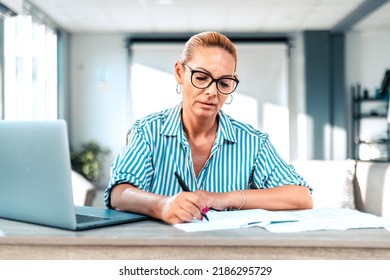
{"points": [[339, 143], [276, 125], [243, 108], [327, 147], [151, 90], [334, 140], [305, 136]]}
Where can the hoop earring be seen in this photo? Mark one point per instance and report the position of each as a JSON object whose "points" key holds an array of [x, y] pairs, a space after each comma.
{"points": [[178, 88], [231, 100]]}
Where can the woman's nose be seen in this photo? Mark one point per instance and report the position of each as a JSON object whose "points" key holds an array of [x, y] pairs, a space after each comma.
{"points": [[212, 89]]}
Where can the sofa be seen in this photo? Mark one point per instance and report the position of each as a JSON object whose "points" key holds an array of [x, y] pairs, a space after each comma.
{"points": [[360, 185]]}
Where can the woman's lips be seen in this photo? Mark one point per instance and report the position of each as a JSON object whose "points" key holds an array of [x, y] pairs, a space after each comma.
{"points": [[209, 104]]}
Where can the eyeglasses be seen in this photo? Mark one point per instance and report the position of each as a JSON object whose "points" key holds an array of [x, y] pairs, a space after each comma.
{"points": [[202, 80]]}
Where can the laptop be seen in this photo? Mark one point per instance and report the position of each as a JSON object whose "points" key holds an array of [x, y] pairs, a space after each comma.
{"points": [[35, 179]]}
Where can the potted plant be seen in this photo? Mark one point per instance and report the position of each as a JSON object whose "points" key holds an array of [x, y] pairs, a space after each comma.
{"points": [[88, 160]]}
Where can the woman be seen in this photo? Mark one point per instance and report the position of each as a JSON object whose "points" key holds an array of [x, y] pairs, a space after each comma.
{"points": [[225, 163]]}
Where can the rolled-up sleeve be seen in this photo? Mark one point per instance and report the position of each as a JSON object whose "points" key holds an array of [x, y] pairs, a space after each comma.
{"points": [[270, 170], [132, 166]]}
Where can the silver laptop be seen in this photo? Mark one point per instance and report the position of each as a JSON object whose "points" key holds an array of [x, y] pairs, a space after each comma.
{"points": [[35, 179]]}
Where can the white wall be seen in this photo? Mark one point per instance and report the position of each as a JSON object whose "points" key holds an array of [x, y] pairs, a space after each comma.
{"points": [[96, 113], [367, 58], [262, 95]]}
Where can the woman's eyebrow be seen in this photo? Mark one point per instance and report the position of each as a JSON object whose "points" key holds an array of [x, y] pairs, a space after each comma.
{"points": [[208, 72], [202, 69]]}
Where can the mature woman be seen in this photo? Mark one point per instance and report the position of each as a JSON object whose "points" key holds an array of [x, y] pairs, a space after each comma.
{"points": [[225, 163]]}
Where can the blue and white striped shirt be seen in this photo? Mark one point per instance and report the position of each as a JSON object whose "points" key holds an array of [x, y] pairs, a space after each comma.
{"points": [[241, 157]]}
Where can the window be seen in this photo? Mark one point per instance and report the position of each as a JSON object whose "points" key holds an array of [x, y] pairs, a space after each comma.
{"points": [[30, 69]]}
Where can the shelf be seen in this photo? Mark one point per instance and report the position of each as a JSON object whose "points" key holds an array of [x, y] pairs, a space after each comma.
{"points": [[369, 116], [371, 99], [372, 142], [374, 160]]}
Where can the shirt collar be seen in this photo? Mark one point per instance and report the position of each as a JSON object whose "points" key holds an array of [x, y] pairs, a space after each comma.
{"points": [[225, 128], [173, 125]]}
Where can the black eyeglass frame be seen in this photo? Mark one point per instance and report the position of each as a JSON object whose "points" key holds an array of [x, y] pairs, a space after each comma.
{"points": [[212, 79]]}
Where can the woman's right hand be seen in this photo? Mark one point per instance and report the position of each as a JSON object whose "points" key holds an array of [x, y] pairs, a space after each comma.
{"points": [[182, 207]]}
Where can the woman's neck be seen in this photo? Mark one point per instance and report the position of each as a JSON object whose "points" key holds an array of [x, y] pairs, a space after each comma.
{"points": [[199, 127]]}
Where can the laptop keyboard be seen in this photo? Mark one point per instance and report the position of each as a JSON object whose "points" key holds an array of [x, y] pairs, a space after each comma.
{"points": [[80, 218]]}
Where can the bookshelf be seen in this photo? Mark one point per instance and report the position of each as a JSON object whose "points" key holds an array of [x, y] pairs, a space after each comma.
{"points": [[371, 133]]}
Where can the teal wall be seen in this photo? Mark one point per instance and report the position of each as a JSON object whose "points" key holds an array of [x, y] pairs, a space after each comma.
{"points": [[324, 89]]}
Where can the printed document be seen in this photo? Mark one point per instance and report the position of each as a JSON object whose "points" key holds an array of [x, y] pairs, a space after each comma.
{"points": [[329, 219], [287, 221]]}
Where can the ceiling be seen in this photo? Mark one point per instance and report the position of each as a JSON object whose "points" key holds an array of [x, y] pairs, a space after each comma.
{"points": [[377, 20], [132, 16]]}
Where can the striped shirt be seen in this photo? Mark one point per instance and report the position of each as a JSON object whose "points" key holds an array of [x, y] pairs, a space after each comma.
{"points": [[241, 158]]}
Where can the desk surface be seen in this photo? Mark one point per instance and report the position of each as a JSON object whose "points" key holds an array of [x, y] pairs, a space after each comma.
{"points": [[156, 240]]}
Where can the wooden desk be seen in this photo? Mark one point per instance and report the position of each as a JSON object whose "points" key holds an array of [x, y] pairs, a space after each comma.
{"points": [[155, 240]]}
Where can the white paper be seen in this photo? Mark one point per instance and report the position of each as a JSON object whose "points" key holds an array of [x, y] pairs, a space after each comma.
{"points": [[236, 219], [329, 219], [287, 221]]}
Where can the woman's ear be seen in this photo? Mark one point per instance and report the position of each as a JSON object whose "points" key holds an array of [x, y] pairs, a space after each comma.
{"points": [[179, 72]]}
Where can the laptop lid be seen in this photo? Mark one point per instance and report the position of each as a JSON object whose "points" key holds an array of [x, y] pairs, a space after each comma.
{"points": [[35, 177]]}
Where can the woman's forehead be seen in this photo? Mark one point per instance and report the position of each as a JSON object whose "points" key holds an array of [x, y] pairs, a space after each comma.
{"points": [[209, 56]]}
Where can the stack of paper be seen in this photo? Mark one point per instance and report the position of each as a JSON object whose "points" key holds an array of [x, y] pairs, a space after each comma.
{"points": [[329, 219], [287, 221]]}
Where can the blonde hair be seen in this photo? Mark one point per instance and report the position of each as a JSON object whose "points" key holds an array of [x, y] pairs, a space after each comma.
{"points": [[208, 39]]}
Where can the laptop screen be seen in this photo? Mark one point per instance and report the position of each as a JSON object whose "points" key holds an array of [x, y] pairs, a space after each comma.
{"points": [[35, 173]]}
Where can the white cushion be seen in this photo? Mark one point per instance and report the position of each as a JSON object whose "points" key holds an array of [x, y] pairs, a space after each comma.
{"points": [[80, 187], [331, 180]]}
